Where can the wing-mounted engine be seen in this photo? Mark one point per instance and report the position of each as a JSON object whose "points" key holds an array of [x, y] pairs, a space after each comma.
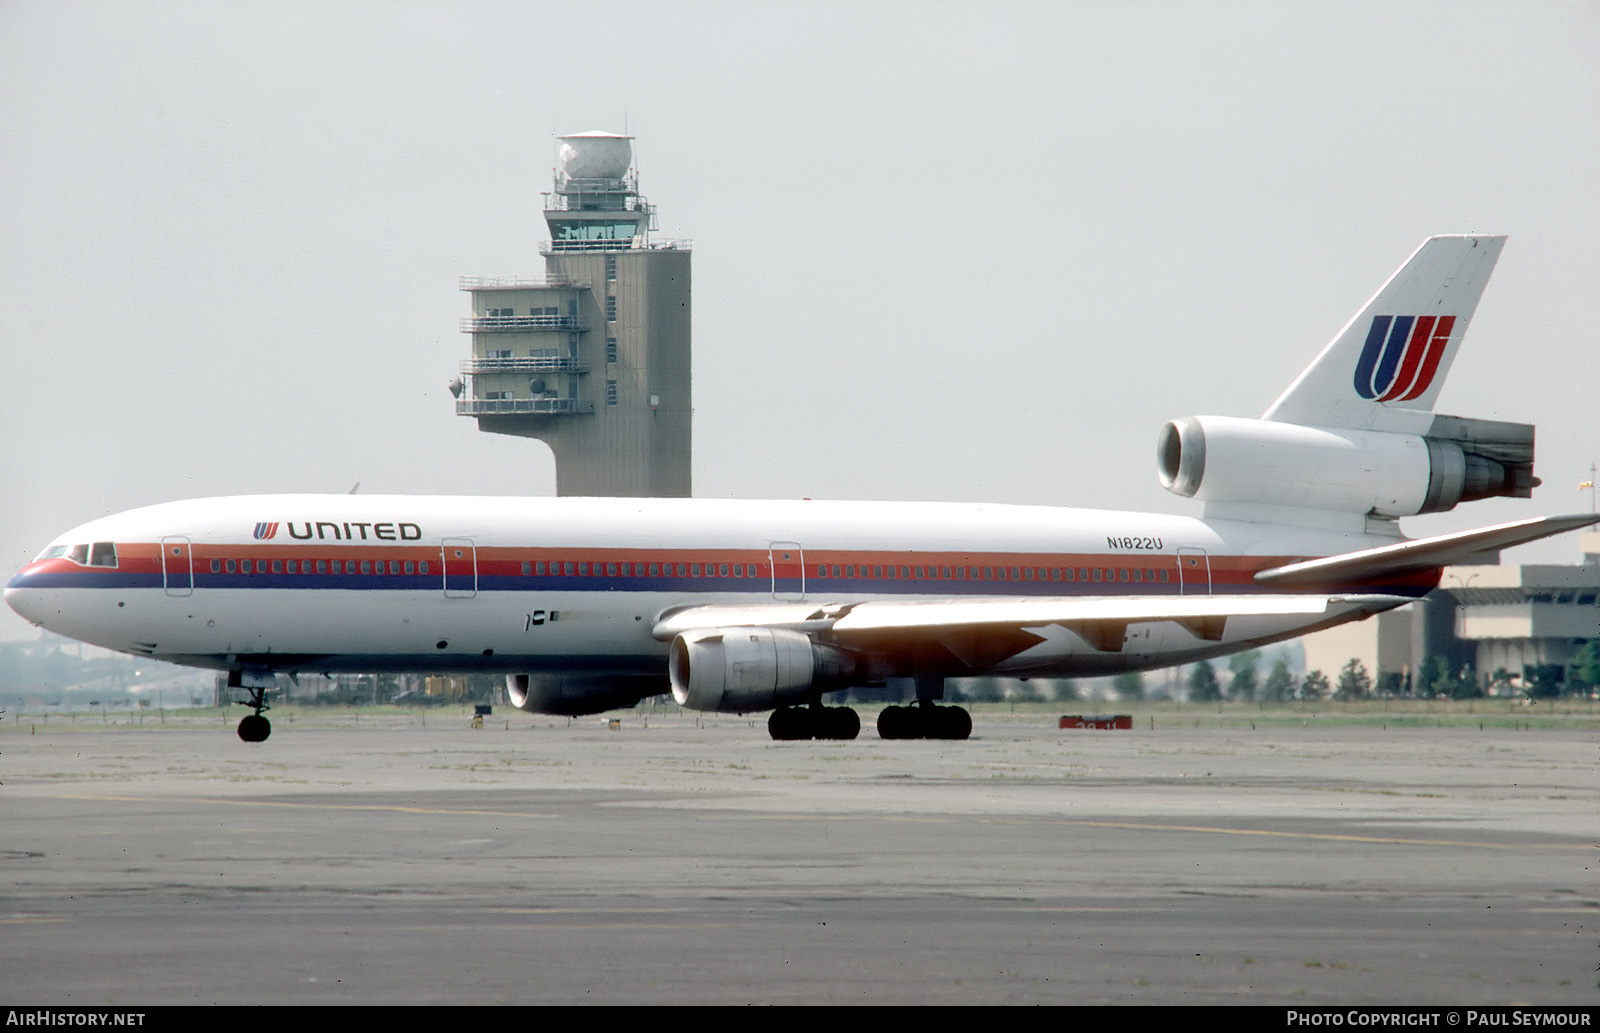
{"points": [[1222, 459], [737, 670], [575, 694]]}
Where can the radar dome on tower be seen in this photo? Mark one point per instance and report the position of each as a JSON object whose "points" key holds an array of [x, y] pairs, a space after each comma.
{"points": [[595, 155]]}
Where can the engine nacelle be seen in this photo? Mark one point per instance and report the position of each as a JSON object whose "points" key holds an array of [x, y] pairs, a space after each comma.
{"points": [[575, 694], [1231, 460], [736, 670]]}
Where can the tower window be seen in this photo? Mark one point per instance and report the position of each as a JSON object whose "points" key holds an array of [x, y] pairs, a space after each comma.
{"points": [[611, 392], [611, 349], [611, 267], [611, 308]]}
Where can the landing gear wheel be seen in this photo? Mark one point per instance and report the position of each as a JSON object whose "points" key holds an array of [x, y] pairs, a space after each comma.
{"points": [[895, 723], [255, 728], [924, 721], [954, 723], [789, 723], [814, 722], [843, 723]]}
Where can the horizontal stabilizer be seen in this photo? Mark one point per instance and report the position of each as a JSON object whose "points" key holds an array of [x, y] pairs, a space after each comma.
{"points": [[1422, 553]]}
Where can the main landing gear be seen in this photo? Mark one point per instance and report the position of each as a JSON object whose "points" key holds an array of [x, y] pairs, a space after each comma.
{"points": [[923, 720], [253, 727], [814, 722]]}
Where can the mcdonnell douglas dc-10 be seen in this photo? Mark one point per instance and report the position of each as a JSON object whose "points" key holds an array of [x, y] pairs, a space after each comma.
{"points": [[586, 604]]}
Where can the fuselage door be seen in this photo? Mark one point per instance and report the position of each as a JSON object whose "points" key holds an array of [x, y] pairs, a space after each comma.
{"points": [[460, 558], [1194, 572], [177, 570], [788, 571]]}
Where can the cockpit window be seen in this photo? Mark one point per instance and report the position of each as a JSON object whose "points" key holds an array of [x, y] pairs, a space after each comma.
{"points": [[51, 553], [103, 554], [79, 554]]}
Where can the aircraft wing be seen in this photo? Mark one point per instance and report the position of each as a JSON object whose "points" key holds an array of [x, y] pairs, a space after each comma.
{"points": [[998, 627], [1421, 553]]}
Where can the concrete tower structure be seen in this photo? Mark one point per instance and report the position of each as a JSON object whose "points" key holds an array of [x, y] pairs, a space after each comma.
{"points": [[593, 358]]}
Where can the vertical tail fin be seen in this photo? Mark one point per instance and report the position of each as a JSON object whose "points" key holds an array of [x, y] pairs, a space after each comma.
{"points": [[1384, 370]]}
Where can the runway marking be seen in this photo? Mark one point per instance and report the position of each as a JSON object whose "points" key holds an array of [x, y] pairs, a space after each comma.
{"points": [[1336, 837], [396, 808], [1154, 827], [1342, 837]]}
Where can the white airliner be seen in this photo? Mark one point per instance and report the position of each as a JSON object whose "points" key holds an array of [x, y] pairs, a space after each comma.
{"points": [[739, 606]]}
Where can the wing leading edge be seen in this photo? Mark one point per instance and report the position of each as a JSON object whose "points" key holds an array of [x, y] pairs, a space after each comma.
{"points": [[1102, 622]]}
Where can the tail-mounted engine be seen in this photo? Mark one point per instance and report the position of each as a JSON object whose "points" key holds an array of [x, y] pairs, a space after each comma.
{"points": [[1231, 460], [736, 670]]}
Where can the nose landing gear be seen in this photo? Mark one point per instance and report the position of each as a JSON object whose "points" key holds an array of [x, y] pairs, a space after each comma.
{"points": [[254, 727]]}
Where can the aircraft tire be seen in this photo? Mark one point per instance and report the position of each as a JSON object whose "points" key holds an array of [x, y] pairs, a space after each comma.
{"points": [[954, 723], [789, 723], [895, 722], [840, 723], [255, 728]]}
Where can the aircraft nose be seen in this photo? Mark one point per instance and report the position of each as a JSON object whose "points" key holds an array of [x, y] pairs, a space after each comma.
{"points": [[24, 599]]}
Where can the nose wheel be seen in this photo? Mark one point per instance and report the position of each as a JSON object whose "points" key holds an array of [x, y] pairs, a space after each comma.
{"points": [[254, 727]]}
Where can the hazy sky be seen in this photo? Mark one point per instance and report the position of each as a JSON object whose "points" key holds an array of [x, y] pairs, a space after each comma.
{"points": [[942, 251]]}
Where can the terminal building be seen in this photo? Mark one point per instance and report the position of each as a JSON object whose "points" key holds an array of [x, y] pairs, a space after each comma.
{"points": [[592, 358]]}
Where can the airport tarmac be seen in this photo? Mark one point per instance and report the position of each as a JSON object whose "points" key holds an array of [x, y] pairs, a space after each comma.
{"points": [[388, 861]]}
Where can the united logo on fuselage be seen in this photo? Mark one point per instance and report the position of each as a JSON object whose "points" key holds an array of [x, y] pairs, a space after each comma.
{"points": [[1401, 356], [267, 530]]}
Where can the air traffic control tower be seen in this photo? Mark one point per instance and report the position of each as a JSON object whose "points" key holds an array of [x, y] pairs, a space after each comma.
{"points": [[592, 359]]}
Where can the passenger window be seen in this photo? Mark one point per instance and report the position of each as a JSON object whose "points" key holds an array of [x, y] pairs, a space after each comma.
{"points": [[722, 570], [231, 567], [411, 567], [216, 566], [422, 568]]}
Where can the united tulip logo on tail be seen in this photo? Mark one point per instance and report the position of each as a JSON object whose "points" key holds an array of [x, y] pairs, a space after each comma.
{"points": [[1401, 356], [267, 530]]}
